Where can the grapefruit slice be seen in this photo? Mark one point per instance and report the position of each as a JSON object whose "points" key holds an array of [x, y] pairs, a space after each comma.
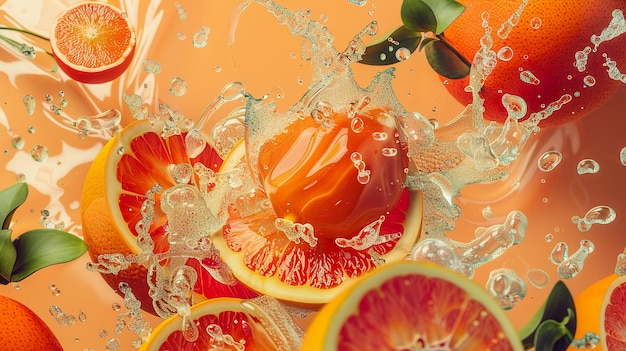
{"points": [[412, 306], [93, 42], [236, 323], [326, 225], [612, 316], [115, 186]]}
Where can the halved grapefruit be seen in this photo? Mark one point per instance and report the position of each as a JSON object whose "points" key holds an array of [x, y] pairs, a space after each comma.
{"points": [[115, 188], [412, 306], [93, 42], [339, 207], [235, 323]]}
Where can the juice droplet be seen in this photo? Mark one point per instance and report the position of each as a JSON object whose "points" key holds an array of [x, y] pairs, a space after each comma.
{"points": [[528, 77], [29, 102], [39, 153], [535, 23], [201, 37], [178, 86], [17, 142], [588, 165], [505, 53], [549, 160], [538, 278]]}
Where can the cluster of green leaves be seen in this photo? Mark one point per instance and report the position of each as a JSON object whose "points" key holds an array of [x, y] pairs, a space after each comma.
{"points": [[34, 249], [423, 24]]}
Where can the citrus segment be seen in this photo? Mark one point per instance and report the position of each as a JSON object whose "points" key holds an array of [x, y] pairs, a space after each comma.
{"points": [[612, 317], [324, 224], [93, 42], [408, 305], [21, 329], [220, 317], [115, 188]]}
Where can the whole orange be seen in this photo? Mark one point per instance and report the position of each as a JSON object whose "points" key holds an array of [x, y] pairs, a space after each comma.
{"points": [[22, 330], [544, 45]]}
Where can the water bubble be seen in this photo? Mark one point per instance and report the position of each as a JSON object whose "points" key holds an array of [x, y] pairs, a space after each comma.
{"points": [[588, 165], [538, 278], [588, 341], [48, 98], [358, 2], [82, 316], [17, 142], [54, 289], [549, 160], [116, 306], [55, 311], [528, 77], [596, 215], [113, 344], [589, 81], [103, 333], [181, 173], [535, 23], [573, 265], [505, 53], [357, 125], [195, 143], [380, 136], [217, 68], [181, 36], [548, 238], [39, 153], [515, 106], [29, 102], [201, 37], [31, 129], [178, 86], [389, 151], [506, 287], [382, 56], [151, 66], [403, 54], [559, 253], [182, 13], [440, 252], [622, 156], [487, 212], [620, 264]]}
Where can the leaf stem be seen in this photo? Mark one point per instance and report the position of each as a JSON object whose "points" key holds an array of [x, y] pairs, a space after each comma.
{"points": [[445, 42], [25, 32]]}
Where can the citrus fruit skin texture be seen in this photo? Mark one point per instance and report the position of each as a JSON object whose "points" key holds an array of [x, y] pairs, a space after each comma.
{"points": [[22, 330], [93, 42], [548, 52], [120, 179], [408, 305]]}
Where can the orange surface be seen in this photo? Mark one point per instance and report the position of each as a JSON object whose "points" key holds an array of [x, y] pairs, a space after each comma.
{"points": [[265, 58]]}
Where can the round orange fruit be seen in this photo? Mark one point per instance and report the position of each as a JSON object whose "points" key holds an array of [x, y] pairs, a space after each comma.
{"points": [[411, 306], [93, 42], [22, 330], [336, 207], [114, 191], [547, 58]]}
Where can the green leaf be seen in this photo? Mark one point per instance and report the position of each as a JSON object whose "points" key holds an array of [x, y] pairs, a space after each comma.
{"points": [[7, 256], [384, 50], [445, 60], [558, 307], [10, 199], [553, 336], [430, 15], [40, 248]]}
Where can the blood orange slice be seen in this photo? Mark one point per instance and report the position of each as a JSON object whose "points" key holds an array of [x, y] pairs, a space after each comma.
{"points": [[612, 316], [339, 207], [222, 324], [115, 188], [412, 306], [93, 42]]}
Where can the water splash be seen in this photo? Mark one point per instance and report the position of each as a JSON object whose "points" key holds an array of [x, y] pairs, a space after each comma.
{"points": [[569, 266], [596, 215], [506, 287]]}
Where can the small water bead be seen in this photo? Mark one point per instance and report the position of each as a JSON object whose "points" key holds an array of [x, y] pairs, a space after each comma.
{"points": [[403, 54], [506, 287], [181, 173], [31, 129], [358, 2], [505, 53], [55, 311], [201, 37], [178, 86], [515, 106], [151, 66], [442, 253], [17, 141], [596, 215], [103, 333], [180, 10], [588, 166], [382, 56], [588, 341], [535, 23], [29, 103], [63, 102], [357, 125], [54, 289], [181, 36], [528, 77], [622, 156], [548, 238], [82, 316], [39, 153], [549, 160], [559, 253], [389, 151], [620, 264], [589, 81], [113, 344], [48, 98], [20, 177], [217, 68], [538, 278], [573, 265]]}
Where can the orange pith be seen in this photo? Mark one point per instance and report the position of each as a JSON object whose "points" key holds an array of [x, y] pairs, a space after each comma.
{"points": [[544, 42], [408, 305], [93, 42], [21, 329], [310, 177], [115, 187]]}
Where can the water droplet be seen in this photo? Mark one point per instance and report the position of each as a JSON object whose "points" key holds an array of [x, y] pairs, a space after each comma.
{"points": [[181, 36], [54, 289], [620, 264], [505, 53], [55, 311], [622, 156], [29, 102], [549, 237], [116, 306], [588, 166], [151, 66], [39, 153], [506, 287], [358, 2], [535, 23], [178, 86], [559, 253], [380, 136], [389, 151], [515, 106], [194, 143], [589, 341], [383, 56], [487, 212], [17, 142], [82, 316], [217, 68], [357, 125], [182, 13], [403, 54], [596, 215], [201, 37], [538, 278], [549, 160], [589, 81], [113, 344], [573, 265], [20, 177], [48, 98], [528, 77], [182, 173], [103, 333]]}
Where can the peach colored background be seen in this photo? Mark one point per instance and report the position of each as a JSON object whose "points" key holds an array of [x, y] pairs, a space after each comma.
{"points": [[265, 57]]}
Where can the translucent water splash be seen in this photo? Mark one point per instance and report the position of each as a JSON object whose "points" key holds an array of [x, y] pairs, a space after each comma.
{"points": [[442, 253], [569, 266], [107, 121], [549, 160], [506, 287], [596, 215]]}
